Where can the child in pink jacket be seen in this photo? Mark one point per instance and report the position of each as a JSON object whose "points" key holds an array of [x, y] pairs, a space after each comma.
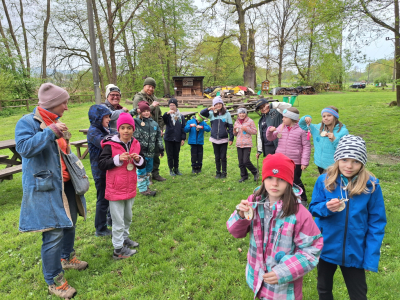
{"points": [[285, 242], [293, 143], [243, 129]]}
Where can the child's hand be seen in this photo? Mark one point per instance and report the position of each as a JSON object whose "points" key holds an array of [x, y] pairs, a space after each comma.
{"points": [[303, 167], [333, 205], [308, 120], [230, 143], [170, 112], [182, 142], [272, 129], [257, 155], [192, 125], [271, 278], [331, 136], [243, 206], [211, 108], [199, 127], [125, 156], [135, 156]]}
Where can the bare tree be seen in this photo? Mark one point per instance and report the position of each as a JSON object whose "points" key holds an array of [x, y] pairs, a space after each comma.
{"points": [[6, 45], [45, 35]]}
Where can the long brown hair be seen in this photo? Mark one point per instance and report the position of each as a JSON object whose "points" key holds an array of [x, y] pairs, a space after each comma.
{"points": [[289, 199], [336, 121], [222, 111], [356, 186]]}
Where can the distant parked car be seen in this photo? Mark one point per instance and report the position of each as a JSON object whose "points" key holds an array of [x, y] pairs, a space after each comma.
{"points": [[358, 85]]}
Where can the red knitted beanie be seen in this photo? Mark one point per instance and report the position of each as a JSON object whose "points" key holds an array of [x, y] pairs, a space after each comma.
{"points": [[280, 166]]}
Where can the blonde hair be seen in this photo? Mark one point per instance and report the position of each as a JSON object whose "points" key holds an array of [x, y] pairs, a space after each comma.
{"points": [[336, 121], [356, 186]]}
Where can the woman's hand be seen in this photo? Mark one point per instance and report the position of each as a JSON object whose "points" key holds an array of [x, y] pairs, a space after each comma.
{"points": [[271, 278], [61, 126], [333, 205], [125, 156], [272, 129], [308, 120], [135, 156]]}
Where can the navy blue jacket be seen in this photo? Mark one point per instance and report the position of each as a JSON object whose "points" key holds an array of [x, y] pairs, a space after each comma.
{"points": [[353, 236], [95, 135], [174, 133], [220, 125]]}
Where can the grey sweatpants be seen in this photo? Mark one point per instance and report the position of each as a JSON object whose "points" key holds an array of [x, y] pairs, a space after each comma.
{"points": [[121, 214]]}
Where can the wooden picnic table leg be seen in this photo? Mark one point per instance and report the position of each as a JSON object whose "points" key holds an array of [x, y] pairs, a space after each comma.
{"points": [[78, 151], [14, 158]]}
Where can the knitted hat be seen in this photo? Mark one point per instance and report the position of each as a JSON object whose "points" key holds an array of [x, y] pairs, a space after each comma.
{"points": [[261, 102], [51, 95], [125, 118], [149, 81], [330, 111], [280, 166], [242, 110], [112, 88], [351, 146], [199, 118], [174, 101], [143, 106], [217, 100]]}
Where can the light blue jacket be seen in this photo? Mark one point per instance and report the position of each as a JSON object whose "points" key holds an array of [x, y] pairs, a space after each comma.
{"points": [[324, 149], [196, 137], [44, 204], [352, 237]]}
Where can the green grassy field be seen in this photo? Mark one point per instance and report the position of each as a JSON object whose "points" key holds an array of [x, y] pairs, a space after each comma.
{"points": [[185, 250]]}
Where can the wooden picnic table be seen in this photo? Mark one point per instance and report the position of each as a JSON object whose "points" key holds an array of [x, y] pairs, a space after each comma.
{"points": [[13, 164], [188, 114], [84, 131]]}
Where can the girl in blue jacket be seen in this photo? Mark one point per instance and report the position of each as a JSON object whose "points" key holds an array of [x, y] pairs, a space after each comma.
{"points": [[348, 207], [326, 136], [196, 128]]}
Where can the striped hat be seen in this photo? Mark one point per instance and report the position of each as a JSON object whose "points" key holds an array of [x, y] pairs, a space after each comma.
{"points": [[351, 146]]}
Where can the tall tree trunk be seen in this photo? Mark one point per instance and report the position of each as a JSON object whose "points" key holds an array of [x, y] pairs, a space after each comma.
{"points": [[251, 58], [7, 46], [101, 41], [310, 49], [125, 45], [28, 64], [397, 49], [10, 27], [111, 41], [45, 36]]}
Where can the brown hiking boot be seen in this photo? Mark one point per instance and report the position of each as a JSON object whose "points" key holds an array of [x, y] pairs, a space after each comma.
{"points": [[74, 263], [159, 178], [61, 288]]}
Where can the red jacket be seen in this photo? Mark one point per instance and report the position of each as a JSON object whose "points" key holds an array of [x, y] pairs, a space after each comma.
{"points": [[120, 183]]}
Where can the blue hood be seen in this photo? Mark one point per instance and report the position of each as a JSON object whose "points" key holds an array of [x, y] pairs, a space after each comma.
{"points": [[96, 114]]}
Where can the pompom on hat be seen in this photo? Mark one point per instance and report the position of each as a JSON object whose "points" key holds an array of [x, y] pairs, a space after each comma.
{"points": [[280, 166], [125, 118], [351, 146], [51, 95]]}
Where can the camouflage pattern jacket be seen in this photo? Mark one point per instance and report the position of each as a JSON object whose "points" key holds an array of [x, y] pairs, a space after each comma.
{"points": [[148, 136]]}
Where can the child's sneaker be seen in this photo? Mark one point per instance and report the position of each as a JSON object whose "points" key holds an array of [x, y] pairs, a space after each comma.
{"points": [[74, 263], [176, 171], [223, 175], [171, 172], [149, 193], [122, 253], [218, 175], [61, 288], [130, 244]]}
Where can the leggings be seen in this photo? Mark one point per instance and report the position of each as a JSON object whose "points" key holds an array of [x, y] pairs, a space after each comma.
{"points": [[220, 156]]}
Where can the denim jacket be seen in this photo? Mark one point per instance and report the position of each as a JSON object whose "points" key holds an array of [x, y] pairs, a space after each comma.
{"points": [[44, 204]]}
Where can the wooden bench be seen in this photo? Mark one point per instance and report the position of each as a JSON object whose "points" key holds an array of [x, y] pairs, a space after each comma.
{"points": [[5, 157], [81, 144], [6, 174]]}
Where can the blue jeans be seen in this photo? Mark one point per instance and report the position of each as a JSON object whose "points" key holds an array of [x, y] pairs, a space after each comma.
{"points": [[59, 243], [144, 174]]}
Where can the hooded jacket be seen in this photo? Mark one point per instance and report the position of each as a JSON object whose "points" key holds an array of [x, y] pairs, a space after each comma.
{"points": [[114, 114], [353, 236], [148, 136], [95, 135], [120, 182], [324, 149], [196, 137], [221, 125], [174, 133]]}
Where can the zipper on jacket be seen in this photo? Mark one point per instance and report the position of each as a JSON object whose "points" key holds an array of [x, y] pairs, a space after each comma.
{"points": [[345, 232], [219, 123]]}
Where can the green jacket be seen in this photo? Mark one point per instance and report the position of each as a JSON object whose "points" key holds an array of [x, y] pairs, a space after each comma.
{"points": [[148, 136], [155, 111]]}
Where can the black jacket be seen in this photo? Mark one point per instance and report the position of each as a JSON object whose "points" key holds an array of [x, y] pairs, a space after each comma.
{"points": [[174, 133], [272, 118]]}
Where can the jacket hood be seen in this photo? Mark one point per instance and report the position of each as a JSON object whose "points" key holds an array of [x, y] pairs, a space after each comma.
{"points": [[96, 114]]}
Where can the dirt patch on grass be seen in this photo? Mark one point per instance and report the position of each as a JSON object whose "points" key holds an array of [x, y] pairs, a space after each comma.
{"points": [[384, 159]]}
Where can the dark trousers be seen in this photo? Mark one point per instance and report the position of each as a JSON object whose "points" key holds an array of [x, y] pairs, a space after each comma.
{"points": [[297, 180], [353, 277], [269, 150], [220, 156], [100, 220], [156, 162], [196, 152], [173, 149], [321, 170], [245, 162]]}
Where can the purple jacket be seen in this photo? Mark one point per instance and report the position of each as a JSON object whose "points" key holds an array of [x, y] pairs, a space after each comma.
{"points": [[293, 143]]}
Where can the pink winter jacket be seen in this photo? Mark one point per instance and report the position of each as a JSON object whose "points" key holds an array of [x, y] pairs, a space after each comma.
{"points": [[293, 143], [246, 129]]}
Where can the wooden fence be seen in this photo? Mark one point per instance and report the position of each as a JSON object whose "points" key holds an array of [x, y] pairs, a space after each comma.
{"points": [[33, 101]]}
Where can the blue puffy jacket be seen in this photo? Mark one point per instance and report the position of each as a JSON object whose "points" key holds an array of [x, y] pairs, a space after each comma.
{"points": [[352, 237], [95, 135], [324, 149], [196, 137], [221, 125]]}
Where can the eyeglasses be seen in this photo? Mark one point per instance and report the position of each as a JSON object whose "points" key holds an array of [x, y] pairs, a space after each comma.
{"points": [[114, 96]]}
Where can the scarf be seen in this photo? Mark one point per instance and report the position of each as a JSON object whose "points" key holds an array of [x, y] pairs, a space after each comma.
{"points": [[175, 116]]}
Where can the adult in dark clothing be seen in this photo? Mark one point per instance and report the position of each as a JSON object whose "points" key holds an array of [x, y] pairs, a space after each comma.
{"points": [[147, 95], [269, 117], [99, 117], [113, 97], [174, 136]]}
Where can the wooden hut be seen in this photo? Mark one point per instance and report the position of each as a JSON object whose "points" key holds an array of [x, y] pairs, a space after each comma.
{"points": [[188, 86]]}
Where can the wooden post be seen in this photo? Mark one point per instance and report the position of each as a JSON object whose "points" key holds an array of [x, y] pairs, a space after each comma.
{"points": [[1, 108], [27, 104], [79, 99]]}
